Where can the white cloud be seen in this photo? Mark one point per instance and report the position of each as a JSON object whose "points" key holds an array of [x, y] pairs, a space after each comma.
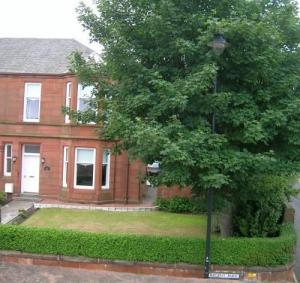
{"points": [[42, 19]]}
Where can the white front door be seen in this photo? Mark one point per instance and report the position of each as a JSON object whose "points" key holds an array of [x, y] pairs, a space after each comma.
{"points": [[30, 173]]}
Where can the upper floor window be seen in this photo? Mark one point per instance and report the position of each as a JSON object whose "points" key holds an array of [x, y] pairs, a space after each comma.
{"points": [[7, 159], [68, 100], [32, 102], [105, 168], [65, 166], [84, 96]]}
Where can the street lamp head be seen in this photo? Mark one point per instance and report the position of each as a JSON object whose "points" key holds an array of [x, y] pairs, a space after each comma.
{"points": [[218, 44]]}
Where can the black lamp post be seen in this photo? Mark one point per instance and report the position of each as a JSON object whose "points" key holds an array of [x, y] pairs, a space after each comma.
{"points": [[218, 46]]}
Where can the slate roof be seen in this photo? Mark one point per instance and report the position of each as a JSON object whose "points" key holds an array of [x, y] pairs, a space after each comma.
{"points": [[38, 55]]}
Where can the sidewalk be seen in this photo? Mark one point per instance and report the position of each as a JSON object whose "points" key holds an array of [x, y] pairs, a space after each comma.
{"points": [[50, 203], [46, 274]]}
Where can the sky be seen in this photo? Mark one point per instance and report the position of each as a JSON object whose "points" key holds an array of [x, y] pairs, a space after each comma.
{"points": [[44, 19]]}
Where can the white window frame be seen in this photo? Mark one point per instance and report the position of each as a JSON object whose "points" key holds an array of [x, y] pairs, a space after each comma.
{"points": [[6, 173], [27, 95], [106, 187], [79, 95], [68, 100], [65, 166], [75, 169], [31, 153]]}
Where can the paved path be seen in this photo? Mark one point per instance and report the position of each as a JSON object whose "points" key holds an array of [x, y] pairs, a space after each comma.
{"points": [[11, 210], [49, 203], [44, 274], [296, 205]]}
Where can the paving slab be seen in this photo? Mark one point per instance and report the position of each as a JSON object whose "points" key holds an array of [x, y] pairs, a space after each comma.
{"points": [[46, 274], [11, 210]]}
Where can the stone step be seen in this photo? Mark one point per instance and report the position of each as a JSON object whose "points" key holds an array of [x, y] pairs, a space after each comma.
{"points": [[28, 197], [11, 211]]}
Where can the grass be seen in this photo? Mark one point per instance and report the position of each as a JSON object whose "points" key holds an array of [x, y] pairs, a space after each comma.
{"points": [[146, 223]]}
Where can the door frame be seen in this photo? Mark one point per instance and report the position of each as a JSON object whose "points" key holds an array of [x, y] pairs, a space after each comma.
{"points": [[22, 168]]}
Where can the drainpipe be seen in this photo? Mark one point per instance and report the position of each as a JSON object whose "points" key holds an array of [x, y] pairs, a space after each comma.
{"points": [[127, 185], [115, 172]]}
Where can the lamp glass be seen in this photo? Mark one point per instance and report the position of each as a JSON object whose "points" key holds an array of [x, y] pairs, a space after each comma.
{"points": [[218, 44]]}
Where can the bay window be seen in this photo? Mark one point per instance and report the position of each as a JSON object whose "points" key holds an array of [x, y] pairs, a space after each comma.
{"points": [[84, 96], [68, 100], [105, 169], [85, 168], [85, 103]]}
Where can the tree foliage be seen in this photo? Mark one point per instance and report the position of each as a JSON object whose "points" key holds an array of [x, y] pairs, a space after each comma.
{"points": [[155, 86]]}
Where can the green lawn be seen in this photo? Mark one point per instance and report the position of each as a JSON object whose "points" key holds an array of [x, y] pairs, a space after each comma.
{"points": [[151, 223]]}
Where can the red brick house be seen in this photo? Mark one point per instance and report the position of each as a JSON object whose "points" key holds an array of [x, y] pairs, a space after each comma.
{"points": [[41, 151]]}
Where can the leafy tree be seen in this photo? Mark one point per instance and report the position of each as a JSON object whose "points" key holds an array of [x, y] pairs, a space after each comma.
{"points": [[155, 87]]}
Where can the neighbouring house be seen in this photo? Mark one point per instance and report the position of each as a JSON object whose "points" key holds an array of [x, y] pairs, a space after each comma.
{"points": [[42, 152]]}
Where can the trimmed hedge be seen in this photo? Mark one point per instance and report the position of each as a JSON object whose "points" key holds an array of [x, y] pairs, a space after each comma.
{"points": [[233, 251]]}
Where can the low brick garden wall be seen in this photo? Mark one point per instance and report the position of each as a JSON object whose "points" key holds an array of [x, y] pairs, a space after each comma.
{"points": [[264, 274]]}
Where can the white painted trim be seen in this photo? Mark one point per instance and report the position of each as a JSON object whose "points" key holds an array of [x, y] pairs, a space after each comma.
{"points": [[65, 165], [25, 102], [79, 87], [22, 172], [31, 153], [106, 187], [5, 173], [68, 100], [80, 91], [75, 169], [79, 95]]}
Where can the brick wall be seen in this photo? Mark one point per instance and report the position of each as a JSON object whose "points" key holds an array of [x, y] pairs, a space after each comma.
{"points": [[52, 134], [169, 192]]}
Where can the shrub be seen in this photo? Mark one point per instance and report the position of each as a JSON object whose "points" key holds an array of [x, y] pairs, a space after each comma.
{"points": [[258, 207], [162, 204], [2, 197], [195, 204], [234, 251]]}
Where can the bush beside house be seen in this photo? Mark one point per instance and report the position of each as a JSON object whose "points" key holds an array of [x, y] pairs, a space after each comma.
{"points": [[258, 208], [2, 197], [255, 207], [179, 204]]}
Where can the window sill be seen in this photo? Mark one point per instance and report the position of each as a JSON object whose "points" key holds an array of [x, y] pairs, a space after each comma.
{"points": [[83, 188], [31, 121]]}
